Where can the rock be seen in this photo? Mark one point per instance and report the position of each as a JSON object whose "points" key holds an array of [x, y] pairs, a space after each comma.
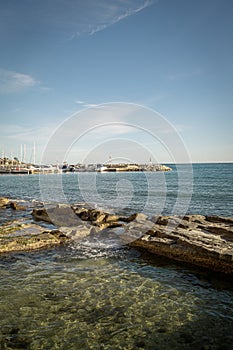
{"points": [[217, 219], [3, 202], [88, 214], [111, 224], [136, 229], [84, 215], [41, 214], [60, 215], [111, 218], [100, 219], [196, 239], [209, 244], [80, 231], [140, 217], [175, 220], [128, 218], [79, 210], [16, 206], [60, 236], [97, 217], [20, 235], [195, 218]]}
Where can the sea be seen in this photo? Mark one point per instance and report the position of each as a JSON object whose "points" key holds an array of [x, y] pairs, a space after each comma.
{"points": [[102, 295]]}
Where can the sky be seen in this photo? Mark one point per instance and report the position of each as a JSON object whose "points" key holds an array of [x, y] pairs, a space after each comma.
{"points": [[136, 80]]}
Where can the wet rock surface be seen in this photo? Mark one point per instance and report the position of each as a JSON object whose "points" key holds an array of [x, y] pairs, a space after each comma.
{"points": [[17, 206], [21, 235], [4, 202], [196, 239], [205, 241]]}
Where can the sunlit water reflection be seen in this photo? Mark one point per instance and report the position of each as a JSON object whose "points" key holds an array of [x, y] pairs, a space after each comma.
{"points": [[77, 297]]}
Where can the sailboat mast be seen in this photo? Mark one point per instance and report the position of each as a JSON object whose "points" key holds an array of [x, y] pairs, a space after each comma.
{"points": [[24, 153], [34, 153], [21, 153]]}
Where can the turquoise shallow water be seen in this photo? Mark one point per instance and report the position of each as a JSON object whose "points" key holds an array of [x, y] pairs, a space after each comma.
{"points": [[99, 296], [79, 298]]}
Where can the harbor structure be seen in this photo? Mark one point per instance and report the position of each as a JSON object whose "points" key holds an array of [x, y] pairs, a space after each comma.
{"points": [[15, 166]]}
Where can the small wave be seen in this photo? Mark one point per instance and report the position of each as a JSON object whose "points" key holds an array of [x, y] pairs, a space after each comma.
{"points": [[95, 248]]}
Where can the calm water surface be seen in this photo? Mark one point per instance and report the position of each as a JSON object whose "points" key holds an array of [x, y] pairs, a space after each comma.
{"points": [[101, 296]]}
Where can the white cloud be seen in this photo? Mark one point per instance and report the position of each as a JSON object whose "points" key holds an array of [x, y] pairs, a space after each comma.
{"points": [[71, 19], [11, 81], [107, 13], [86, 104], [90, 128], [113, 129], [132, 11], [90, 105]]}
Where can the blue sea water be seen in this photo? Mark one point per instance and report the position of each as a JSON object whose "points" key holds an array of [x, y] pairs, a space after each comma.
{"points": [[203, 188], [87, 296]]}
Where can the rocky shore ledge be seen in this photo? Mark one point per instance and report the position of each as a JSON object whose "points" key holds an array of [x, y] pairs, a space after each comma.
{"points": [[205, 241]]}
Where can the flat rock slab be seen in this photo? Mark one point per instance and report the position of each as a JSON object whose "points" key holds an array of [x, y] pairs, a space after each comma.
{"points": [[20, 235], [205, 241]]}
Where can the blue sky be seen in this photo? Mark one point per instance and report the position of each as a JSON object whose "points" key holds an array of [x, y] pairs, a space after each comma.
{"points": [[61, 57]]}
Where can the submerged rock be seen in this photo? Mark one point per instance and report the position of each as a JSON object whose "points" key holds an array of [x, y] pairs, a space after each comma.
{"points": [[20, 235]]}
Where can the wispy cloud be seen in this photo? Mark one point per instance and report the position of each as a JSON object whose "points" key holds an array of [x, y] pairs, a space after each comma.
{"points": [[45, 88], [72, 18], [107, 13], [11, 81], [13, 135], [28, 134], [86, 104], [113, 129], [186, 75]]}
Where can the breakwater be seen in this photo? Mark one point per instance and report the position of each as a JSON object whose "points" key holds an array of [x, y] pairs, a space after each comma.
{"points": [[14, 166]]}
